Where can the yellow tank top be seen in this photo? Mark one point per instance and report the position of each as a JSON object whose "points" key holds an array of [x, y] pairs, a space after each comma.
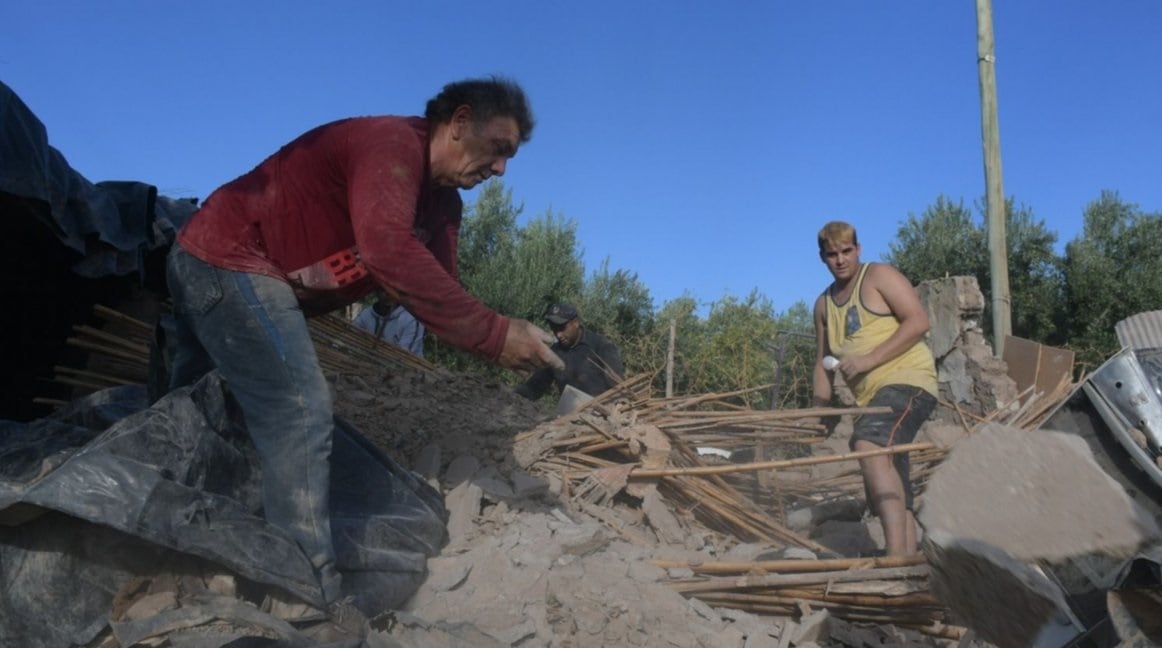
{"points": [[852, 329]]}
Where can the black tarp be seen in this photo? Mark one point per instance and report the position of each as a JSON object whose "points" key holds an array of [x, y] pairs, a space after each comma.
{"points": [[110, 225], [67, 244], [126, 485]]}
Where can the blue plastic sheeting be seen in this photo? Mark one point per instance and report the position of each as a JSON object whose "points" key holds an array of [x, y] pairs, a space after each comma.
{"points": [[110, 224], [128, 484]]}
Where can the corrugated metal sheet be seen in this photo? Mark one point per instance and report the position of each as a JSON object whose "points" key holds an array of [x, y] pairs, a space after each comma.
{"points": [[1141, 331]]}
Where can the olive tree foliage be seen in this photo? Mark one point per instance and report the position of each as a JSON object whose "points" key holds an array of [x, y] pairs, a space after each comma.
{"points": [[1112, 270], [741, 347], [1036, 283], [946, 240], [618, 305], [649, 353], [517, 271], [794, 352], [736, 351], [943, 241]]}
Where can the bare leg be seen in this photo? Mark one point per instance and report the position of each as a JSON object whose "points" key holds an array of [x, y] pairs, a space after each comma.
{"points": [[887, 501]]}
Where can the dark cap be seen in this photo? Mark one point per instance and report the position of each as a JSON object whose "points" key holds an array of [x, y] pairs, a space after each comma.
{"points": [[560, 313]]}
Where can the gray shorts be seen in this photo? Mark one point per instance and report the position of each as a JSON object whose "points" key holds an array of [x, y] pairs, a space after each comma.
{"points": [[911, 406]]}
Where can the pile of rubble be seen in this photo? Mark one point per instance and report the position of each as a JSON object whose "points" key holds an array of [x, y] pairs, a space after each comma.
{"points": [[637, 520]]}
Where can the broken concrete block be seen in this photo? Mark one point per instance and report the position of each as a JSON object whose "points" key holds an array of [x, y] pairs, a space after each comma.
{"points": [[581, 540], [812, 628], [526, 485], [845, 538], [495, 489], [1005, 601], [662, 520], [703, 610], [1034, 495], [461, 469], [1006, 499], [463, 504], [446, 574], [845, 510], [644, 572], [746, 552]]}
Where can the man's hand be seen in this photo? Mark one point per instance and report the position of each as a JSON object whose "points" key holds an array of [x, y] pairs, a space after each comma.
{"points": [[853, 365], [526, 348]]}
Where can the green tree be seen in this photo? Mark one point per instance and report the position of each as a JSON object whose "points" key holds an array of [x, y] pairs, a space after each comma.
{"points": [[1036, 284], [741, 344], [616, 303], [735, 350], [946, 241], [794, 348], [515, 270], [648, 353], [488, 235], [943, 241], [546, 267], [1112, 270]]}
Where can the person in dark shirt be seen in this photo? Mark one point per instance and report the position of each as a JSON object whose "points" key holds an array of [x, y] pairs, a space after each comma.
{"points": [[589, 358]]}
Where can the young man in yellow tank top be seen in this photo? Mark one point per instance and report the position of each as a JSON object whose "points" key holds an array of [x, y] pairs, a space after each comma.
{"points": [[871, 320]]}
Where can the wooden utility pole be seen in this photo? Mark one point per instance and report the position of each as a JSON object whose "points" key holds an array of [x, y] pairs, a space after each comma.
{"points": [[995, 192], [670, 359]]}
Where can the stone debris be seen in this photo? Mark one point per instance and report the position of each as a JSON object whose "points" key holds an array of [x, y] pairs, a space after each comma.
{"points": [[1005, 487], [1007, 500], [576, 552]]}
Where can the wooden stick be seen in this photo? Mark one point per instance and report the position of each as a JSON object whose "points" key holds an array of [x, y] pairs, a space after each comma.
{"points": [[795, 580], [886, 603], [790, 566], [115, 340], [109, 314], [100, 348], [114, 380], [642, 473]]}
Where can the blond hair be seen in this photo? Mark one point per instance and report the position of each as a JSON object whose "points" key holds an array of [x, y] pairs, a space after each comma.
{"points": [[836, 233]]}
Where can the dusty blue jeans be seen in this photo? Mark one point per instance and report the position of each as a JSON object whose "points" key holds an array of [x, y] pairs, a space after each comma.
{"points": [[250, 327]]}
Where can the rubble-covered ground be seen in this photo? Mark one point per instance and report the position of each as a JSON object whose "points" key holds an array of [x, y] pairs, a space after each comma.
{"points": [[524, 567]]}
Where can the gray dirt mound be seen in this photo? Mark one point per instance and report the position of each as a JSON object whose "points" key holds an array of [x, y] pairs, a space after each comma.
{"points": [[404, 410]]}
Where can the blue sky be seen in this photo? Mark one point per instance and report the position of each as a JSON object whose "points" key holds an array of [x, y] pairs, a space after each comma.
{"points": [[698, 144]]}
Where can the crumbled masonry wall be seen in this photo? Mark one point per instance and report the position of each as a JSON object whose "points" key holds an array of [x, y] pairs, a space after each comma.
{"points": [[970, 376]]}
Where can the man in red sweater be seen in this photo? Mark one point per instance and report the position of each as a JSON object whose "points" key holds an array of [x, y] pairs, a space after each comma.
{"points": [[347, 207]]}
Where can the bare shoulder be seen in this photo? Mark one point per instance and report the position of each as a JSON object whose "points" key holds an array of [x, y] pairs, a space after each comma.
{"points": [[879, 272], [820, 305], [886, 289]]}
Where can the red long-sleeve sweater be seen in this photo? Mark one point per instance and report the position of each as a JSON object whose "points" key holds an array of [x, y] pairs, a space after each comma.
{"points": [[343, 207]]}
